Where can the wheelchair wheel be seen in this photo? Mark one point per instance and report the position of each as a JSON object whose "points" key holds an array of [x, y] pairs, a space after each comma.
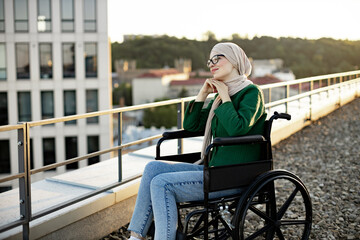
{"points": [[276, 206]]}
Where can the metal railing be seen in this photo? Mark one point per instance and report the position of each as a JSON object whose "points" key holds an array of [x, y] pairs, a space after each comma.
{"points": [[306, 88]]}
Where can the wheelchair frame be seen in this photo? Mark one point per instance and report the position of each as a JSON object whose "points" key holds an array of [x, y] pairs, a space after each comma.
{"points": [[260, 182]]}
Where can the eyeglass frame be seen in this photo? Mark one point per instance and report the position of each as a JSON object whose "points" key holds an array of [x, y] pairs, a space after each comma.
{"points": [[213, 61]]}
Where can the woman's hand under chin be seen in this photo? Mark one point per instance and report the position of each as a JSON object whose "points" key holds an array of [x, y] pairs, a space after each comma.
{"points": [[222, 89]]}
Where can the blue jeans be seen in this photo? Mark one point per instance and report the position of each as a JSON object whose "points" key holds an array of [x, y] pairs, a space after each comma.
{"points": [[162, 185]]}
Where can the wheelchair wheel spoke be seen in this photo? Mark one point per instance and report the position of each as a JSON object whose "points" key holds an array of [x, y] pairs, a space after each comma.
{"points": [[280, 234], [260, 214], [260, 232], [287, 203]]}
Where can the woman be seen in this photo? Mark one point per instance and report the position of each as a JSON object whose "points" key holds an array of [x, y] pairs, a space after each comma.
{"points": [[237, 109]]}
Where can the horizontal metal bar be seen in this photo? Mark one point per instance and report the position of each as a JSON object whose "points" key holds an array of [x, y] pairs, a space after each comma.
{"points": [[72, 160], [105, 112], [309, 93], [93, 154], [11, 127], [11, 225], [82, 197], [141, 141], [309, 79], [12, 177]]}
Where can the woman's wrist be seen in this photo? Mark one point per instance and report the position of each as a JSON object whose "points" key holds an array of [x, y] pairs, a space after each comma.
{"points": [[226, 99], [201, 97]]}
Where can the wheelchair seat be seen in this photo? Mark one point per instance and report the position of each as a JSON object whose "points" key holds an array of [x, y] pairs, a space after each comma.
{"points": [[263, 210]]}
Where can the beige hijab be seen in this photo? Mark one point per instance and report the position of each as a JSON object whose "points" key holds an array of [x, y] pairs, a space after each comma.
{"points": [[237, 57]]}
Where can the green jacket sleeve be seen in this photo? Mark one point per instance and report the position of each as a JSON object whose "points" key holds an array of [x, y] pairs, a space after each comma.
{"points": [[196, 117], [239, 117]]}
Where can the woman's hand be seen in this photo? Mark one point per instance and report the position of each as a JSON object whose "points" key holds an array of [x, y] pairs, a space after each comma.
{"points": [[205, 90], [222, 89]]}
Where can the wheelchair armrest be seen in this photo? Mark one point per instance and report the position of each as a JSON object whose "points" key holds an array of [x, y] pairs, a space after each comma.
{"points": [[181, 134], [225, 141], [191, 157]]}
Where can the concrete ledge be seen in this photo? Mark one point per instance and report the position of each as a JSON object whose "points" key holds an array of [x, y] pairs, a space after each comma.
{"points": [[97, 225]]}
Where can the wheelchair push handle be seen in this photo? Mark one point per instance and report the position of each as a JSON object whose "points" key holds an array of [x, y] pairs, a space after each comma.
{"points": [[282, 115]]}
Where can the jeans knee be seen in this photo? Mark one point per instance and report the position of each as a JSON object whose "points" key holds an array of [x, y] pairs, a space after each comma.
{"points": [[153, 166], [159, 182]]}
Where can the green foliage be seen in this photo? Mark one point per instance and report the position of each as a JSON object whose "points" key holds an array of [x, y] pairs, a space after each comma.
{"points": [[304, 57], [165, 116], [123, 91], [183, 93]]}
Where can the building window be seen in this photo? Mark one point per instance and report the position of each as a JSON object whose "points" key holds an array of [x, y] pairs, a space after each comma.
{"points": [[49, 155], [68, 50], [70, 105], [47, 104], [67, 16], [5, 156], [2, 61], [44, 16], [90, 15], [92, 105], [2, 16], [4, 119], [90, 60], [22, 61], [93, 146], [71, 151], [24, 106], [45, 60], [21, 15]]}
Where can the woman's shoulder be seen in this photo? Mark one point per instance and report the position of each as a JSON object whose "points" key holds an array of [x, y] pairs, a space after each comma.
{"points": [[252, 88]]}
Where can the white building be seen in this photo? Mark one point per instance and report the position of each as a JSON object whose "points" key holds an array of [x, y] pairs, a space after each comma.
{"points": [[264, 67], [191, 87], [54, 62], [154, 84]]}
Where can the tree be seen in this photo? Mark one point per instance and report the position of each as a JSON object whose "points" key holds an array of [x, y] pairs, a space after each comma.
{"points": [[165, 116], [304, 57]]}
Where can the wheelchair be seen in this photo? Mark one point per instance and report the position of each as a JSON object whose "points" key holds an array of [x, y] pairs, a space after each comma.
{"points": [[274, 204]]}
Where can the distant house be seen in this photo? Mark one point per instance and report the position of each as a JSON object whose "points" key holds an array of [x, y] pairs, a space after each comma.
{"points": [[191, 86], [264, 67], [154, 84], [274, 67]]}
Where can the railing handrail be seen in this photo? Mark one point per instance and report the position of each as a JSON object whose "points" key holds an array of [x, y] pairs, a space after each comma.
{"points": [[24, 128], [309, 79]]}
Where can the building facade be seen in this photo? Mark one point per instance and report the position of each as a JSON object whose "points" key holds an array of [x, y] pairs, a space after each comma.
{"points": [[54, 62], [154, 84]]}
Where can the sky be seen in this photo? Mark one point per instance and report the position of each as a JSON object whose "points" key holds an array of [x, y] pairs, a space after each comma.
{"points": [[311, 19]]}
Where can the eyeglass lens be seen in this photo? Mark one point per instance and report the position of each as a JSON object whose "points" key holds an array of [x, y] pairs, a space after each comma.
{"points": [[214, 60]]}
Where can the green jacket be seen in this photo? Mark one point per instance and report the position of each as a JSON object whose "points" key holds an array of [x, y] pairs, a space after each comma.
{"points": [[244, 115]]}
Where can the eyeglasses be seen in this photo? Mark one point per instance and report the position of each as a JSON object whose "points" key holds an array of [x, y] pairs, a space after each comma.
{"points": [[214, 60]]}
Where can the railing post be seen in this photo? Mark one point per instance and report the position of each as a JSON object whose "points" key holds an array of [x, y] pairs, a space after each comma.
{"points": [[310, 106], [24, 182], [287, 95], [119, 144], [180, 110]]}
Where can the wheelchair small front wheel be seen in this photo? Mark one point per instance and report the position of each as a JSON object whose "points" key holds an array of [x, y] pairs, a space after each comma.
{"points": [[277, 206]]}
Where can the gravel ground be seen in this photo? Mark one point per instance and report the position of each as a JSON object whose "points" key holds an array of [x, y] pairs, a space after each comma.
{"points": [[326, 156]]}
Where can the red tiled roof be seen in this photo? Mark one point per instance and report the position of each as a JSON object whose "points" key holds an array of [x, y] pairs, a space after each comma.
{"points": [[159, 72]]}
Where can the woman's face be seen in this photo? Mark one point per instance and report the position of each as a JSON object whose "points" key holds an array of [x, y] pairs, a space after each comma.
{"points": [[222, 69]]}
